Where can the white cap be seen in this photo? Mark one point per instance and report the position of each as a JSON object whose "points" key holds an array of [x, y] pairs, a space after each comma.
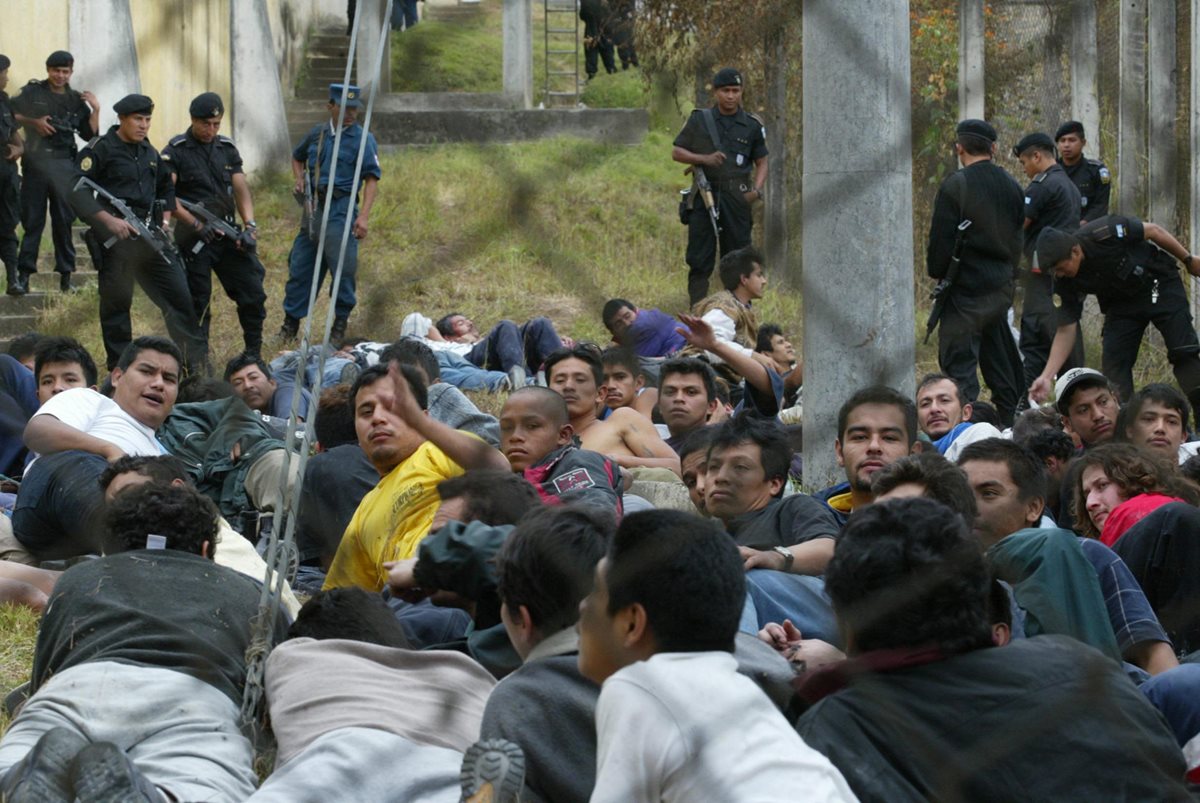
{"points": [[1068, 381]]}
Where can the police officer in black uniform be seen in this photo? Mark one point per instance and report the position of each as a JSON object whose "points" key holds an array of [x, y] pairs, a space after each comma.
{"points": [[1051, 199], [974, 323], [1130, 267], [736, 167], [597, 38], [1091, 176], [207, 170], [10, 182], [124, 163], [52, 113]]}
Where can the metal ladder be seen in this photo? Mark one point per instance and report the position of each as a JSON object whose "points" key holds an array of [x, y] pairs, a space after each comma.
{"points": [[562, 52]]}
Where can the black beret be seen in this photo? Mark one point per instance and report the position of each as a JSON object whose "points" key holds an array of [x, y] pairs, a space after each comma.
{"points": [[134, 104], [1053, 246], [977, 128], [1035, 139], [5, 62], [1069, 127], [206, 105], [60, 58], [726, 76]]}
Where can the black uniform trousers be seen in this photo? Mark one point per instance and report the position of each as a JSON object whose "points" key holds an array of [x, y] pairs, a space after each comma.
{"points": [[974, 331], [601, 45], [736, 221], [162, 278], [10, 214], [1039, 323], [46, 180], [241, 275], [1125, 322]]}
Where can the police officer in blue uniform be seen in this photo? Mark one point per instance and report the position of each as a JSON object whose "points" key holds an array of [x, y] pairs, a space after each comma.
{"points": [[314, 157], [1050, 200], [11, 148], [1130, 267], [125, 164], [1091, 176], [207, 170], [736, 167], [52, 114]]}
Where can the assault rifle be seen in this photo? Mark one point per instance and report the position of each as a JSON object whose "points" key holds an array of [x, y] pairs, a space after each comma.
{"points": [[942, 291], [309, 219], [242, 239], [705, 191], [155, 239]]}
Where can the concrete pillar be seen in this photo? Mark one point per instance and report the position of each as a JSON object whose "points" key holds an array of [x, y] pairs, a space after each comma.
{"points": [[971, 85], [1161, 72], [1085, 97], [100, 36], [858, 214], [775, 212], [1194, 148], [1131, 111], [372, 20], [517, 24], [256, 106]]}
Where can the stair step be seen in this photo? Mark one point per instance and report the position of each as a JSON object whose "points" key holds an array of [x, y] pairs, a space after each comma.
{"points": [[13, 325], [47, 281]]}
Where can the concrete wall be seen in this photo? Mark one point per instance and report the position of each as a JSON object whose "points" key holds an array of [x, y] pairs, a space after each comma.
{"points": [[28, 45], [183, 50], [179, 49]]}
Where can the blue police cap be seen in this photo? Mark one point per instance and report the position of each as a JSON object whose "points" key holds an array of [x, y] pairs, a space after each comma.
{"points": [[352, 95]]}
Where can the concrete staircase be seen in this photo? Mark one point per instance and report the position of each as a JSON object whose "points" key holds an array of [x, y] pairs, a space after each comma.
{"points": [[325, 64], [452, 117], [21, 314]]}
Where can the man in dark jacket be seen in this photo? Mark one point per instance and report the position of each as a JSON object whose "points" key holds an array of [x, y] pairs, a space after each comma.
{"points": [[926, 707], [974, 323]]}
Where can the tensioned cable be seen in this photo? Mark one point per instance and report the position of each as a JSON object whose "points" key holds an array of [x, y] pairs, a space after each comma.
{"points": [[279, 554]]}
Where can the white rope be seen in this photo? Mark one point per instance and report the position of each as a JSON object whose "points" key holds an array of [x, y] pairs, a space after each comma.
{"points": [[280, 552]]}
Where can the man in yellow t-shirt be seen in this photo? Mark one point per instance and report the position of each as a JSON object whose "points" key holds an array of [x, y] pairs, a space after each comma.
{"points": [[412, 453]]}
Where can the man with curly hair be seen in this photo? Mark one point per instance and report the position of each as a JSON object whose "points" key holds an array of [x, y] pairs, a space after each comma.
{"points": [[156, 615]]}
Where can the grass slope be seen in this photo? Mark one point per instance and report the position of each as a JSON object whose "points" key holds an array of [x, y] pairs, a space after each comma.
{"points": [[543, 228]]}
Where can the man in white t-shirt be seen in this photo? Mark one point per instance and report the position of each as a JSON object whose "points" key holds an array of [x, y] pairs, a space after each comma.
{"points": [[76, 434], [675, 721]]}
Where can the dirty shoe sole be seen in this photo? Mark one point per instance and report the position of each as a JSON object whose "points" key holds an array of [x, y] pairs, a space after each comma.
{"points": [[493, 771]]}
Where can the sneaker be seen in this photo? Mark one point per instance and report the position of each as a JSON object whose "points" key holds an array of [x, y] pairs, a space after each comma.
{"points": [[104, 774], [493, 771], [516, 377], [44, 775], [290, 328], [349, 373]]}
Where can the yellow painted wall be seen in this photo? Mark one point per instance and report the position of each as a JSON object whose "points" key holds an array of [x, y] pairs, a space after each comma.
{"points": [[28, 44], [183, 50]]}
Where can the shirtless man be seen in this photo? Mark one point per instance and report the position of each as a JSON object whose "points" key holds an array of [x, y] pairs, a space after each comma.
{"points": [[626, 436]]}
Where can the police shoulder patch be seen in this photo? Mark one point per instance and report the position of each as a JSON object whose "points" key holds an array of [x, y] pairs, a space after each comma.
{"points": [[1120, 229], [1105, 176], [85, 164], [166, 156]]}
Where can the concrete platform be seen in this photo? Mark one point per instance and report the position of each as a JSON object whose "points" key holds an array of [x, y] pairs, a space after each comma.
{"points": [[611, 126]]}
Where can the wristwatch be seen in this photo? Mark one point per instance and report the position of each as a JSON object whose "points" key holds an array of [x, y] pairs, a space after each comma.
{"points": [[788, 557]]}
